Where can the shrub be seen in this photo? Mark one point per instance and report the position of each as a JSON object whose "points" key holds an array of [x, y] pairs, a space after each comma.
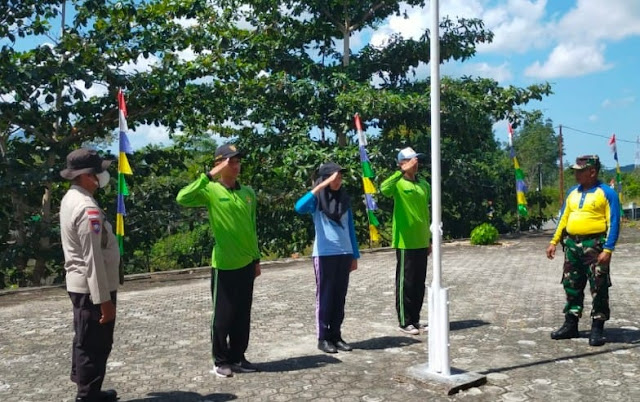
{"points": [[182, 250], [484, 234]]}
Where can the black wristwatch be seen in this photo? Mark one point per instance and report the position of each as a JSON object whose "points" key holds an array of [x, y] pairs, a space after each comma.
{"points": [[208, 174]]}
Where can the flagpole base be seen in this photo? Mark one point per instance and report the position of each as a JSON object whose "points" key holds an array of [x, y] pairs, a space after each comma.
{"points": [[453, 383]]}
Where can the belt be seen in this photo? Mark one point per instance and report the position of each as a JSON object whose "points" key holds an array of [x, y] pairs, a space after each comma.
{"points": [[581, 238]]}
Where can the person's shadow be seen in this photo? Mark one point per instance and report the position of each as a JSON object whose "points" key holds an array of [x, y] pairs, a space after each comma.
{"points": [[321, 360], [385, 342], [617, 335], [183, 396], [466, 324], [297, 363]]}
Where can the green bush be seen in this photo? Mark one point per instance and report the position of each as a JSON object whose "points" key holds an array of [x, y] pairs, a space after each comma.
{"points": [[484, 234], [182, 250]]}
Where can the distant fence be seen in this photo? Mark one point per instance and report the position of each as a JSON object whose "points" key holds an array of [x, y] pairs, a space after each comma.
{"points": [[632, 211]]}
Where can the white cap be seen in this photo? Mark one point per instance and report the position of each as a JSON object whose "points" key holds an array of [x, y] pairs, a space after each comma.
{"points": [[408, 153]]}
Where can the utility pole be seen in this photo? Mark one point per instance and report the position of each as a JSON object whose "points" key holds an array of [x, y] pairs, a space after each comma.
{"points": [[540, 190], [637, 161], [561, 173]]}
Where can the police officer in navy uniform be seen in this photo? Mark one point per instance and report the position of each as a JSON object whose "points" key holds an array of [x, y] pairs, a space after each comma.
{"points": [[91, 263]]}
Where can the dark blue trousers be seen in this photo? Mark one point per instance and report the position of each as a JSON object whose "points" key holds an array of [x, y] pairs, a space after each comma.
{"points": [[91, 345], [332, 281]]}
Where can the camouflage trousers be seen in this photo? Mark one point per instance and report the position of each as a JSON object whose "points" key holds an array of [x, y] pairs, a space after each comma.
{"points": [[580, 266]]}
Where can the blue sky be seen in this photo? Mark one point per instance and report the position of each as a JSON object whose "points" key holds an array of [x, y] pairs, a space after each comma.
{"points": [[588, 50]]}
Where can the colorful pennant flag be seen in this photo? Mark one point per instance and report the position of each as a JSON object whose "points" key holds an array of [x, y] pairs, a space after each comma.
{"points": [[521, 186], [123, 168], [614, 149], [369, 188]]}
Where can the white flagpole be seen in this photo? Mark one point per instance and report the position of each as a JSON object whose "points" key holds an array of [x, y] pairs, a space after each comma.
{"points": [[437, 371], [438, 297]]}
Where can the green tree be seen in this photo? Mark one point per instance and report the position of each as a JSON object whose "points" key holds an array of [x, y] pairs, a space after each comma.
{"points": [[264, 72], [536, 145], [59, 95], [306, 85]]}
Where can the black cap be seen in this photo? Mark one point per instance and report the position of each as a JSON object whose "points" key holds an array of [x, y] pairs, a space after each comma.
{"points": [[329, 168], [82, 161], [227, 151]]}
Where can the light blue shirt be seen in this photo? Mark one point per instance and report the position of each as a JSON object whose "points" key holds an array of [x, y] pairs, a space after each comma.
{"points": [[331, 238]]}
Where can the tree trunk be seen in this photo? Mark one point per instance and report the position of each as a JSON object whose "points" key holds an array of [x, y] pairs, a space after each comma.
{"points": [[20, 261], [39, 270], [18, 213], [342, 136]]}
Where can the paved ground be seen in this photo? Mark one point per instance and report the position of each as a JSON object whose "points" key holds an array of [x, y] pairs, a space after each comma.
{"points": [[504, 300]]}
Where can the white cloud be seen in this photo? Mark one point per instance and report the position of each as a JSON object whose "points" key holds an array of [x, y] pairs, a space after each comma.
{"points": [[97, 89], [576, 40], [568, 60], [517, 26], [618, 103], [186, 54], [501, 73], [8, 97], [142, 64], [593, 117], [186, 22], [596, 20], [581, 36], [148, 134]]}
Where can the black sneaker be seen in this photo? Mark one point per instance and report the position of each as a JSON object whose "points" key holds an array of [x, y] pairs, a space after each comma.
{"points": [[244, 366]]}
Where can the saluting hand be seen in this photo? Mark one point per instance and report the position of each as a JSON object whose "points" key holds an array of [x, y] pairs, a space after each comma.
{"points": [[409, 165], [324, 183], [215, 171]]}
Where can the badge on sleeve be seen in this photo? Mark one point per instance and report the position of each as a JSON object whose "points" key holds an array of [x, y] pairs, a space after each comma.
{"points": [[95, 225], [94, 220]]}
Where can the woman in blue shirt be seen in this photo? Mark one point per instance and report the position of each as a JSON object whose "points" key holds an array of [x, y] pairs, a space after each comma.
{"points": [[335, 252]]}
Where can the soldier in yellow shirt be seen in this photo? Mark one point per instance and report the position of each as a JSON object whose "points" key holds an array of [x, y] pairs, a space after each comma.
{"points": [[589, 225]]}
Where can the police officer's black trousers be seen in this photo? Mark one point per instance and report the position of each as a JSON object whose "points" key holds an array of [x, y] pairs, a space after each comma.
{"points": [[411, 274], [232, 295], [91, 345]]}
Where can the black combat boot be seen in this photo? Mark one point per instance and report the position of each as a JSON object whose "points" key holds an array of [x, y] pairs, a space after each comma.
{"points": [[568, 330], [597, 333]]}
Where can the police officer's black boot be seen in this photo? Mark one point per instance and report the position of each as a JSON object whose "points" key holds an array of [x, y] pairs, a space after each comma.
{"points": [[568, 330], [597, 333]]}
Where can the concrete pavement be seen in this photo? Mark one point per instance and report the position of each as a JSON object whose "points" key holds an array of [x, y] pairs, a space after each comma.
{"points": [[504, 301]]}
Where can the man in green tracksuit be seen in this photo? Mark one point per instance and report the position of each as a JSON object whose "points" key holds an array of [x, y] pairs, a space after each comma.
{"points": [[235, 258], [411, 237]]}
